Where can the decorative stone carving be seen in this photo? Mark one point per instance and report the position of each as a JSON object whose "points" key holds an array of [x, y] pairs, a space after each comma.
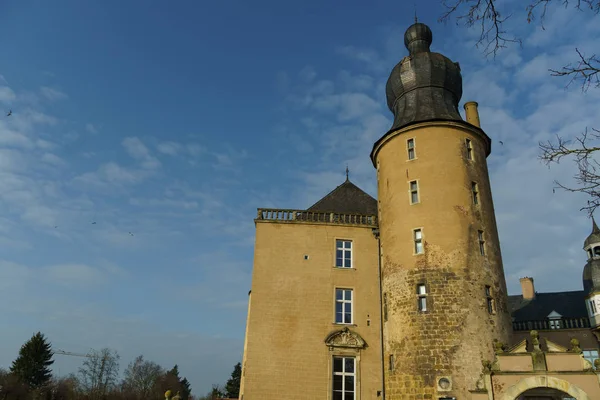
{"points": [[345, 338], [498, 347], [597, 364], [487, 366], [535, 340], [575, 346]]}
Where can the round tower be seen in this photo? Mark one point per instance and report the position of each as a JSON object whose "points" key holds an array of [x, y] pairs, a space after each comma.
{"points": [[444, 291]]}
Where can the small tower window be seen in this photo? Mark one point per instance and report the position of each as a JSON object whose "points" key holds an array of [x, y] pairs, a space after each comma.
{"points": [[593, 309], [597, 251], [489, 299], [414, 192], [590, 253], [469, 147], [385, 307], [481, 243], [410, 146], [422, 297], [475, 192], [418, 239]]}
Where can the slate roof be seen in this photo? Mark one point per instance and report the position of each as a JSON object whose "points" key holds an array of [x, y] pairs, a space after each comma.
{"points": [[567, 304], [347, 198]]}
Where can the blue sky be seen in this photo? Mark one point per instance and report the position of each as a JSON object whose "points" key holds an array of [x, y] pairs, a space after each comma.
{"points": [[145, 134]]}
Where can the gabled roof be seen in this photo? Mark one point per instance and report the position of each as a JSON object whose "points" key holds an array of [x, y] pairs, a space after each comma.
{"points": [[347, 198], [567, 304]]}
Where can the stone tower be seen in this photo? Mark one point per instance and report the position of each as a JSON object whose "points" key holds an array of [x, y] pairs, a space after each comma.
{"points": [[444, 291], [591, 278]]}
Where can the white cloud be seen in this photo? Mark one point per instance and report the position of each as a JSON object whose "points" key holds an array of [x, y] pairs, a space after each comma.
{"points": [[169, 148], [140, 152], [6, 94], [91, 128], [52, 94]]}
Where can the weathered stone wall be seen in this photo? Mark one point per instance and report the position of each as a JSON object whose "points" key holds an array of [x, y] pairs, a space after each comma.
{"points": [[293, 304], [456, 332]]}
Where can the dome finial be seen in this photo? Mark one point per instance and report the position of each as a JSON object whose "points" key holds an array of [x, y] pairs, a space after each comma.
{"points": [[417, 37], [594, 226], [416, 20]]}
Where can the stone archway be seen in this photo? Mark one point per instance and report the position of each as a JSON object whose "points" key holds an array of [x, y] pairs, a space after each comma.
{"points": [[544, 381]]}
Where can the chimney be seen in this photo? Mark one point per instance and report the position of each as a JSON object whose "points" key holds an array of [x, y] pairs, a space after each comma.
{"points": [[527, 288], [472, 114]]}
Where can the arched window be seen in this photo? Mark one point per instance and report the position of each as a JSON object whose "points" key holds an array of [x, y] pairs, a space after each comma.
{"points": [[597, 251]]}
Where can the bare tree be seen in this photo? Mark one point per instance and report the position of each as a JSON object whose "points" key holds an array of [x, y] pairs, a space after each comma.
{"points": [[585, 70], [99, 373], [141, 377], [485, 14]]}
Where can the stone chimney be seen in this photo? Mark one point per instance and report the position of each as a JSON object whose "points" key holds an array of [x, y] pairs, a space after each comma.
{"points": [[527, 288]]}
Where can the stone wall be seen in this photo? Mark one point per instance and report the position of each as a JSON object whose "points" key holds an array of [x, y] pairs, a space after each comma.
{"points": [[456, 332]]}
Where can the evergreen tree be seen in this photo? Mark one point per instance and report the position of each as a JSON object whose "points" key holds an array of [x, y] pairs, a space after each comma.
{"points": [[233, 384], [186, 389], [32, 366], [174, 371]]}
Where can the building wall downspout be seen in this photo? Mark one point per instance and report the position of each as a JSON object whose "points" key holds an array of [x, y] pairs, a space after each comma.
{"points": [[376, 234]]}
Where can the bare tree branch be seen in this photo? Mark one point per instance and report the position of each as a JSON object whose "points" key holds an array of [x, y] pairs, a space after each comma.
{"points": [[586, 70], [485, 13], [582, 151]]}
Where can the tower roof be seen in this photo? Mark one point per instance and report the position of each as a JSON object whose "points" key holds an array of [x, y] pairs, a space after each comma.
{"points": [[424, 86], [347, 198], [594, 237]]}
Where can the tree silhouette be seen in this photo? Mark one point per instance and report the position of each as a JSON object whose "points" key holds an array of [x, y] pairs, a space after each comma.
{"points": [[32, 366]]}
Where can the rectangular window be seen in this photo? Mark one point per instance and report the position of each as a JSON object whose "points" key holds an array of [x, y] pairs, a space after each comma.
{"points": [[344, 378], [414, 192], [593, 307], [555, 324], [481, 243], [343, 253], [590, 355], [422, 297], [418, 239], [410, 146], [343, 306], [391, 362], [385, 307], [475, 192], [489, 299], [469, 147]]}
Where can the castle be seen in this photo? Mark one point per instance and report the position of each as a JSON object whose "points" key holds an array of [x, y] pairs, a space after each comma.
{"points": [[404, 297]]}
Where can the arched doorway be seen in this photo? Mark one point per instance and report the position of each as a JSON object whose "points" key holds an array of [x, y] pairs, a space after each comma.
{"points": [[545, 394], [538, 384]]}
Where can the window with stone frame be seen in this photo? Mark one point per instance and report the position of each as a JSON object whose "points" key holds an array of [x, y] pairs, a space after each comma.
{"points": [[593, 308], [475, 192], [343, 306], [489, 300], [385, 307], [344, 378], [469, 148], [410, 148], [418, 241], [343, 253], [422, 297], [414, 192], [481, 239]]}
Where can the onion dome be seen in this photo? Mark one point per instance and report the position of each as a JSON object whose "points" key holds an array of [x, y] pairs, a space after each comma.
{"points": [[424, 86]]}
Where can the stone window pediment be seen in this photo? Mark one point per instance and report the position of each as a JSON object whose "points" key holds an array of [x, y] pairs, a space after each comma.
{"points": [[345, 338]]}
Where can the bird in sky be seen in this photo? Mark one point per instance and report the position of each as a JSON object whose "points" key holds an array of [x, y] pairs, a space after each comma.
{"points": [[501, 142], [9, 113]]}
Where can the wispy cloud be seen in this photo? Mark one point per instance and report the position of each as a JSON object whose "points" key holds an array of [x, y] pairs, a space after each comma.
{"points": [[52, 94]]}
